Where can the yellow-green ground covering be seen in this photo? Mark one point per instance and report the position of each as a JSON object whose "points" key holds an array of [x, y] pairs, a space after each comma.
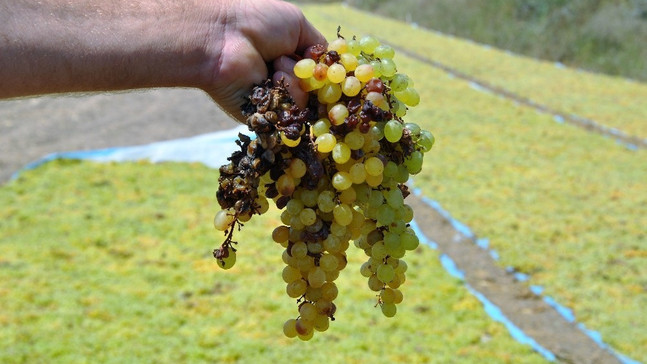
{"points": [[611, 101], [112, 263]]}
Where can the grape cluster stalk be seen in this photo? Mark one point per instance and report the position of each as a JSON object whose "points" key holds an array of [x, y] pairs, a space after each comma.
{"points": [[337, 169]]}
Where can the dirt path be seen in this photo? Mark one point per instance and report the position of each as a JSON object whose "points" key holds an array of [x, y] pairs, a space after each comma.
{"points": [[33, 128], [517, 303]]}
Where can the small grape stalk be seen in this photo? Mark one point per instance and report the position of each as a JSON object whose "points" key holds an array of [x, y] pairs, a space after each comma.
{"points": [[337, 169]]}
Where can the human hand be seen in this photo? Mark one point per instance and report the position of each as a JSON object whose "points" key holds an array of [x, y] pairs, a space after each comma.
{"points": [[254, 33]]}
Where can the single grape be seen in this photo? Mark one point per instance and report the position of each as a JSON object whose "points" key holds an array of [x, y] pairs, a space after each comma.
{"points": [[393, 131], [364, 72], [336, 73], [304, 68], [368, 44], [389, 309]]}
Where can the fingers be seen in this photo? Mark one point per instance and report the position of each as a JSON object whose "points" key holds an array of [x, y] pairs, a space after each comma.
{"points": [[283, 66], [308, 36]]}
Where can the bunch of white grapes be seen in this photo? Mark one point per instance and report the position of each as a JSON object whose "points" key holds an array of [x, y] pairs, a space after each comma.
{"points": [[337, 169]]}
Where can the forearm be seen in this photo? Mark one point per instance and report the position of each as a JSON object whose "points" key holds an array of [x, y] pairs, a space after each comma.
{"points": [[89, 45]]}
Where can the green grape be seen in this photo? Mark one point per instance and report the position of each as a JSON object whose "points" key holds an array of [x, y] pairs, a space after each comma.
{"points": [[364, 72], [409, 240], [368, 44], [385, 215], [329, 291], [338, 114], [281, 234], [378, 251], [387, 66], [426, 141], [223, 219], [393, 131], [299, 250], [290, 274], [377, 68], [376, 199], [341, 153], [308, 216], [349, 61], [328, 262], [351, 86], [304, 68], [357, 173], [307, 311], [394, 198], [399, 82], [348, 196], [374, 284], [297, 288], [332, 244], [398, 108], [336, 73], [289, 328], [343, 214], [406, 213], [338, 45], [373, 166], [309, 197], [321, 323], [285, 185], [362, 191], [329, 93], [389, 309], [377, 131], [413, 128], [354, 140], [385, 273], [341, 181], [384, 51], [326, 142], [409, 96], [322, 126], [353, 191], [391, 241], [387, 295], [353, 47], [294, 207], [414, 162], [403, 174], [397, 296], [365, 270], [325, 201], [228, 261], [402, 267]]}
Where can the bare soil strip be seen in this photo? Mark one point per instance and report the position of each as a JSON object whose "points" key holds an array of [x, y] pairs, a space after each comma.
{"points": [[522, 307]]}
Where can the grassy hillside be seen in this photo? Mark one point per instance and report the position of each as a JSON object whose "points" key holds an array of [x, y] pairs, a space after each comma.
{"points": [[608, 36], [107, 263]]}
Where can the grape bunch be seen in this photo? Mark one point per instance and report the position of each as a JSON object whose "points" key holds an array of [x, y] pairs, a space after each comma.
{"points": [[337, 169]]}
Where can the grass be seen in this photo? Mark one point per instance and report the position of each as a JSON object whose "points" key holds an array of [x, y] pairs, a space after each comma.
{"points": [[611, 101], [111, 263]]}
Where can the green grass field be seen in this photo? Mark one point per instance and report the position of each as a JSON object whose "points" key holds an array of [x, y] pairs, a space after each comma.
{"points": [[112, 263]]}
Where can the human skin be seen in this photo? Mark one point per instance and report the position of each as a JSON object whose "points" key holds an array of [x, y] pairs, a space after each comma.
{"points": [[220, 46]]}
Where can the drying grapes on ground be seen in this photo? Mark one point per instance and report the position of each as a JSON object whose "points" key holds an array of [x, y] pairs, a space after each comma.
{"points": [[337, 169]]}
